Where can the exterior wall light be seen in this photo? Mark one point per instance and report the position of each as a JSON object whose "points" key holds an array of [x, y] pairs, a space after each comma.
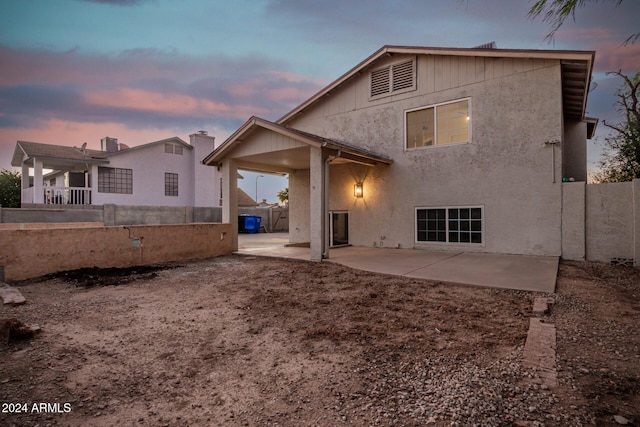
{"points": [[358, 190]]}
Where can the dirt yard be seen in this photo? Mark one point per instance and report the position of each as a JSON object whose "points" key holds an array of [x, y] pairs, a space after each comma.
{"points": [[242, 341]]}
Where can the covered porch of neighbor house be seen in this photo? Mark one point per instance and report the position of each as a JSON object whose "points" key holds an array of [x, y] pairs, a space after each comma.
{"points": [[266, 147], [60, 174]]}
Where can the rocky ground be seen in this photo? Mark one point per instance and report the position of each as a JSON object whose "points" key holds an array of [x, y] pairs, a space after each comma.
{"points": [[251, 341]]}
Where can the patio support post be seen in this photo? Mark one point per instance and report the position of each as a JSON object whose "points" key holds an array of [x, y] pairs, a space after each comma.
{"points": [[38, 189], [230, 198], [316, 204]]}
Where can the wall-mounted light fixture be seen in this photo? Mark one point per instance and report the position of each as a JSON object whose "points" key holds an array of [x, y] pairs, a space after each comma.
{"points": [[358, 190]]}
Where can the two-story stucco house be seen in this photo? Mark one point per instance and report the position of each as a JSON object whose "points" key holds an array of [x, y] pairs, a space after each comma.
{"points": [[435, 148], [168, 172]]}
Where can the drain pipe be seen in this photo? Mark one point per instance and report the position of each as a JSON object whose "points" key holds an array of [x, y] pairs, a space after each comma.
{"points": [[325, 203]]}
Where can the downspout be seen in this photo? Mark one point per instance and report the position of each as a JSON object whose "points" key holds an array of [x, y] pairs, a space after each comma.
{"points": [[325, 203]]}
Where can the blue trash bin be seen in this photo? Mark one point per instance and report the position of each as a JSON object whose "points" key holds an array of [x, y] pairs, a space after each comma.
{"points": [[252, 224], [249, 224]]}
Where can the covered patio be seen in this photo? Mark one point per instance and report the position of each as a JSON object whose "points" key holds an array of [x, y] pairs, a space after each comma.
{"points": [[518, 272], [266, 147]]}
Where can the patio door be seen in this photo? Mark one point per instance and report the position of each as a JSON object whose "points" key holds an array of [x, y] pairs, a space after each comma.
{"points": [[339, 228]]}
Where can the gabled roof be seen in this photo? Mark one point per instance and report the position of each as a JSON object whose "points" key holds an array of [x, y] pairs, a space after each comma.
{"points": [[105, 154], [347, 151], [576, 71]]}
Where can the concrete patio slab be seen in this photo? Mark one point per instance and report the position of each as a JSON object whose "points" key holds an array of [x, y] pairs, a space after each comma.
{"points": [[402, 262], [271, 244], [520, 272]]}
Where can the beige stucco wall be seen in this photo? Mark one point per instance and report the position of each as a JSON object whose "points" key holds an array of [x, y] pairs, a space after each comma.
{"points": [[610, 220], [299, 207], [506, 169], [34, 252], [573, 220]]}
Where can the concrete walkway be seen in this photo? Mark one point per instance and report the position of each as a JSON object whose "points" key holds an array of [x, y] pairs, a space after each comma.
{"points": [[527, 273]]}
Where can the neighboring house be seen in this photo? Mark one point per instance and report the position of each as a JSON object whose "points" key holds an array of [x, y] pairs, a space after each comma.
{"points": [[245, 200], [435, 148], [163, 173]]}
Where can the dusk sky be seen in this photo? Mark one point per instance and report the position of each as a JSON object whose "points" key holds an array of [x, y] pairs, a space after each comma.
{"points": [[74, 71]]}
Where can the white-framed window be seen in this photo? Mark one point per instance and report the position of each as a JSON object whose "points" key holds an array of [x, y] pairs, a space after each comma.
{"points": [[170, 184], [439, 124], [450, 224], [395, 78]]}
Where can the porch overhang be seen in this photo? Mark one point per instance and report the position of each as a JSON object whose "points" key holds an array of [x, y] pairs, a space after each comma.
{"points": [[56, 157], [54, 163], [285, 160]]}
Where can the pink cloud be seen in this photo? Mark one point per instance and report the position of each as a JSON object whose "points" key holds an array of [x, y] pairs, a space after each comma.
{"points": [[286, 94], [244, 90], [613, 56], [169, 103], [586, 35]]}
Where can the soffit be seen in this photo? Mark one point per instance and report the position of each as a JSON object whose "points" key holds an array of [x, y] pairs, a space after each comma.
{"points": [[576, 77]]}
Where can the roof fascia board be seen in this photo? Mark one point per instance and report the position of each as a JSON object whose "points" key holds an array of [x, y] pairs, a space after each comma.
{"points": [[230, 143], [17, 160]]}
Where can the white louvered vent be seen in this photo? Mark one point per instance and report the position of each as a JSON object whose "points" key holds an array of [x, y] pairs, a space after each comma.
{"points": [[380, 82], [402, 75], [396, 77]]}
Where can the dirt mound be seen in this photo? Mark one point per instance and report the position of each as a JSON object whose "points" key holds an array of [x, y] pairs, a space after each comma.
{"points": [[90, 277]]}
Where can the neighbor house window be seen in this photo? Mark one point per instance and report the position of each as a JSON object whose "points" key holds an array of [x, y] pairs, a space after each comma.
{"points": [[440, 124], [394, 78], [449, 225], [115, 180], [170, 184], [173, 149]]}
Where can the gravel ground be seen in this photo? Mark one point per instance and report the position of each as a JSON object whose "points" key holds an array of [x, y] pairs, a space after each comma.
{"points": [[252, 341]]}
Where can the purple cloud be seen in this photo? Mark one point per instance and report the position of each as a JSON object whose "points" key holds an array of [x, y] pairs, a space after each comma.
{"points": [[144, 87]]}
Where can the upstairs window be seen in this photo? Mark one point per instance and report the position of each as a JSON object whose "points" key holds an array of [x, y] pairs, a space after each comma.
{"points": [[394, 78], [447, 123]]}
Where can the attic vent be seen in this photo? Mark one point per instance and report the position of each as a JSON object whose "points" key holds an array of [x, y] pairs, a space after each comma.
{"points": [[393, 78], [402, 75], [380, 82]]}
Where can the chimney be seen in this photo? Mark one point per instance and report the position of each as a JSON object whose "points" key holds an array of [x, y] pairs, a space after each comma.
{"points": [[202, 138], [110, 145]]}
